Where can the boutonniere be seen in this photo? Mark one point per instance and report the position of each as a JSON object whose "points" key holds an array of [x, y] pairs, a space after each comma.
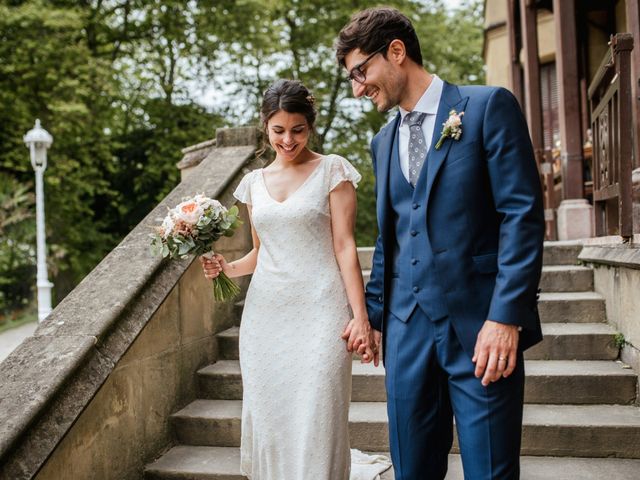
{"points": [[452, 128]]}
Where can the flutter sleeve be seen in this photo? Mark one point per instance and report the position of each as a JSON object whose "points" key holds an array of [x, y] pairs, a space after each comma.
{"points": [[342, 171], [243, 191]]}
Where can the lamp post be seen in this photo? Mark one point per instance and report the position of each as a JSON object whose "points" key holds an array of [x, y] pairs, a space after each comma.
{"points": [[38, 140]]}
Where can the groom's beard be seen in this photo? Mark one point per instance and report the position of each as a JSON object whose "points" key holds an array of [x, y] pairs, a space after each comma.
{"points": [[387, 105], [389, 95]]}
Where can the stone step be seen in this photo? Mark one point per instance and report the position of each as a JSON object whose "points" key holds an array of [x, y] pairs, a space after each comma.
{"points": [[556, 278], [228, 343], [237, 311], [548, 381], [579, 382], [562, 341], [548, 430], [555, 253], [365, 256], [575, 341], [561, 253], [566, 278], [566, 306], [223, 463], [571, 307]]}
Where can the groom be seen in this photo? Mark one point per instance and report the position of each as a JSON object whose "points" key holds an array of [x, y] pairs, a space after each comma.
{"points": [[458, 259]]}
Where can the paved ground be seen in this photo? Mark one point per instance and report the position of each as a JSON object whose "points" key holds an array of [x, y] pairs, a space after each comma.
{"points": [[14, 337]]}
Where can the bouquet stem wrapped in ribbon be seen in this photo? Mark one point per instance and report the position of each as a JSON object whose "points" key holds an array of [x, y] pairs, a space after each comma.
{"points": [[192, 227]]}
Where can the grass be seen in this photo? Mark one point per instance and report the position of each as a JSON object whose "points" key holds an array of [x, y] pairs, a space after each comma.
{"points": [[17, 319]]}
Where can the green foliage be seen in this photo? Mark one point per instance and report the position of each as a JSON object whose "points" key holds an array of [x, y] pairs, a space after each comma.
{"points": [[145, 157], [116, 82], [118, 130], [263, 40], [17, 245]]}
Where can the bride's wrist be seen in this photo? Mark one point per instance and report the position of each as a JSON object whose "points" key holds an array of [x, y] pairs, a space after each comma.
{"points": [[361, 318], [228, 267]]}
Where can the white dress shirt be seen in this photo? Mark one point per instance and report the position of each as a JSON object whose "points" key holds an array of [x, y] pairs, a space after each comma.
{"points": [[428, 104]]}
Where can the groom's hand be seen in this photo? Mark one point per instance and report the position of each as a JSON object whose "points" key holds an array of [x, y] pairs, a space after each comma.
{"points": [[496, 349], [377, 346]]}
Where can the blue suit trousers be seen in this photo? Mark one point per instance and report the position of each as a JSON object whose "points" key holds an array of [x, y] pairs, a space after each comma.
{"points": [[430, 380]]}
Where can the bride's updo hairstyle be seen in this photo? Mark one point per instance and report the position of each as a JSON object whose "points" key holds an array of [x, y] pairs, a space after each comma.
{"points": [[292, 97]]}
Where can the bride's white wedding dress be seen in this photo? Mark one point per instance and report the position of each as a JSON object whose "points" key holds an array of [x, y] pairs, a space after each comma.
{"points": [[296, 371]]}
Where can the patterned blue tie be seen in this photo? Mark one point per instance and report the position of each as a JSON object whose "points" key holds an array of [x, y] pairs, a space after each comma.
{"points": [[417, 145]]}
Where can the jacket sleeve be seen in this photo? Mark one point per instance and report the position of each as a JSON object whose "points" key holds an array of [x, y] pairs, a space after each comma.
{"points": [[516, 188], [374, 291]]}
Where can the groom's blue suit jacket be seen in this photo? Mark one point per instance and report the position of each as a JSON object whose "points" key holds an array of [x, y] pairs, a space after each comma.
{"points": [[483, 218]]}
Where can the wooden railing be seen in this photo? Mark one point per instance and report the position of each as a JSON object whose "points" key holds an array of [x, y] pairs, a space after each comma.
{"points": [[610, 103]]}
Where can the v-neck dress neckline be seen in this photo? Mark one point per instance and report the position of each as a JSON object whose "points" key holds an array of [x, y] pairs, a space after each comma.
{"points": [[302, 185]]}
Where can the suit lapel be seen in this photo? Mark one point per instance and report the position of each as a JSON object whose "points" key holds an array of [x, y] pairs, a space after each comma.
{"points": [[450, 100], [387, 152]]}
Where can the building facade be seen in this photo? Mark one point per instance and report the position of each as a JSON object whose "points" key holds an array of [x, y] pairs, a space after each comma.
{"points": [[574, 66]]}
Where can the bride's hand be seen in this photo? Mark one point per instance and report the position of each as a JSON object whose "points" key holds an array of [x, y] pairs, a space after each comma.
{"points": [[371, 352], [358, 337], [213, 266], [367, 354]]}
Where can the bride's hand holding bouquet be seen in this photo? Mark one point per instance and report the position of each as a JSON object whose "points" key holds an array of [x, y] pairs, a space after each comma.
{"points": [[192, 227]]}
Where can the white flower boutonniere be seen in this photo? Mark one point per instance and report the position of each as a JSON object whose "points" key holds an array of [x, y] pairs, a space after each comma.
{"points": [[452, 128]]}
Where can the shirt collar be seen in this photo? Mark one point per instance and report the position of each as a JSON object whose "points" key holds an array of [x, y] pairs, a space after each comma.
{"points": [[429, 100]]}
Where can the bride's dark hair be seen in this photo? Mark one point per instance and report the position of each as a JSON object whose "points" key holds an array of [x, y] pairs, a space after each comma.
{"points": [[292, 97]]}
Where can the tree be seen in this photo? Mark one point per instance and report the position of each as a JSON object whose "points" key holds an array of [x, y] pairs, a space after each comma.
{"points": [[116, 82], [83, 69], [47, 72], [17, 237], [263, 40]]}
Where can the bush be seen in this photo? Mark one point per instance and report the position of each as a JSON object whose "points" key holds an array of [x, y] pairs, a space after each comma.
{"points": [[17, 245]]}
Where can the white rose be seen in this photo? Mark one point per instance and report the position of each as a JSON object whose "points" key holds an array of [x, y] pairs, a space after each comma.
{"points": [[206, 202], [167, 226]]}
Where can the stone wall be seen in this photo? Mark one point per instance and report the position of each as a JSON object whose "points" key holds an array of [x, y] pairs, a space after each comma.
{"points": [[89, 395], [617, 278]]}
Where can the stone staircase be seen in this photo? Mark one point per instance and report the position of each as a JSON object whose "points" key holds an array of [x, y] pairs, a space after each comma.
{"points": [[581, 419]]}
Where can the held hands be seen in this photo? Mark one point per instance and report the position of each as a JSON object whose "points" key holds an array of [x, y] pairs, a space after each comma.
{"points": [[495, 354], [213, 266], [360, 339]]}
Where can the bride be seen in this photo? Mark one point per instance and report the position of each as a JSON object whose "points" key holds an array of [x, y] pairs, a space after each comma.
{"points": [[306, 298]]}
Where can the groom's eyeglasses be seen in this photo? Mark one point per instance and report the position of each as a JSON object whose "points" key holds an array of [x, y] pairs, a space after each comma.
{"points": [[356, 72]]}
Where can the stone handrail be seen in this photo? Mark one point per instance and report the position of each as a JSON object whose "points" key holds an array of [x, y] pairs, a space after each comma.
{"points": [[51, 378]]}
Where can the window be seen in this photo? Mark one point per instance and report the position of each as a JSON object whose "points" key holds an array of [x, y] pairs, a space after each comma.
{"points": [[549, 94]]}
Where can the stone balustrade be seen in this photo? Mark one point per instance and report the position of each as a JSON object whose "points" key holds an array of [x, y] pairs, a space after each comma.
{"points": [[89, 394]]}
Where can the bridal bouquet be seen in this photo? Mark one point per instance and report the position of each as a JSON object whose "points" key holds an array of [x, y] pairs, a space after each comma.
{"points": [[191, 228]]}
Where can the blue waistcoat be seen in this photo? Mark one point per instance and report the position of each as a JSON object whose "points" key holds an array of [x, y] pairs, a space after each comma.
{"points": [[414, 277]]}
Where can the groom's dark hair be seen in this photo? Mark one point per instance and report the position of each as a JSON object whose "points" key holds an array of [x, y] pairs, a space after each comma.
{"points": [[373, 28]]}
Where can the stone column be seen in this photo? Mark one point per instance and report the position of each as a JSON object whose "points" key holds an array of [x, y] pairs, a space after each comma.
{"points": [[575, 214], [515, 69], [533, 100]]}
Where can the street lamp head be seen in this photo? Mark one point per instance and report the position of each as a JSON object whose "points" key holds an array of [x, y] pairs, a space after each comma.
{"points": [[38, 135], [38, 140]]}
